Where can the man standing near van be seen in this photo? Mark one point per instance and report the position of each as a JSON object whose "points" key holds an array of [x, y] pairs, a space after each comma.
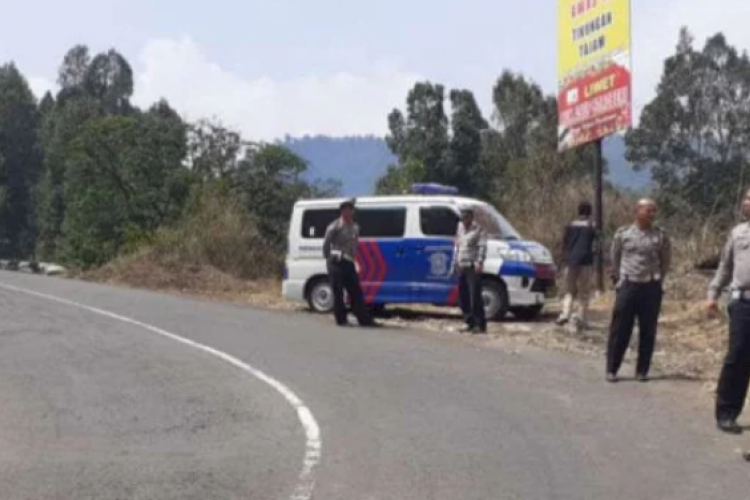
{"points": [[470, 252], [578, 247], [339, 250]]}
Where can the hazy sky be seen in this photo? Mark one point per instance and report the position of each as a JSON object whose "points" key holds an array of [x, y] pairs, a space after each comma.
{"points": [[271, 67]]}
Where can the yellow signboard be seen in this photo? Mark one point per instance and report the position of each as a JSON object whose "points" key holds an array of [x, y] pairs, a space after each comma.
{"points": [[594, 80]]}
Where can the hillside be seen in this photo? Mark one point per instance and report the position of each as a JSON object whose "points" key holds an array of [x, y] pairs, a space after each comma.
{"points": [[621, 174], [359, 161]]}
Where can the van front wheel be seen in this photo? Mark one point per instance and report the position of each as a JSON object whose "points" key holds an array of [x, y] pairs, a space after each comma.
{"points": [[320, 296], [495, 298]]}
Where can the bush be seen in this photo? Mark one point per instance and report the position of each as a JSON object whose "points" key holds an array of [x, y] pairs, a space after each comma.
{"points": [[217, 231]]}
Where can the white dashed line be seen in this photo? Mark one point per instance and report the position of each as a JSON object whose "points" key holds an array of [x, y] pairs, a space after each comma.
{"points": [[314, 445]]}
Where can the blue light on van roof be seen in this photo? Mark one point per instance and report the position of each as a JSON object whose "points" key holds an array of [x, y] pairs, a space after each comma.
{"points": [[432, 188]]}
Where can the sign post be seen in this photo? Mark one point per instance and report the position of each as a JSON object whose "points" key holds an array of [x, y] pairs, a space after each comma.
{"points": [[594, 83]]}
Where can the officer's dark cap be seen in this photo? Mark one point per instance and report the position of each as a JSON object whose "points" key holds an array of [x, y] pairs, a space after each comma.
{"points": [[347, 204], [466, 211]]}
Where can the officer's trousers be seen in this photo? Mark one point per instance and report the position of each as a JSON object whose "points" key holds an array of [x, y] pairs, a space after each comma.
{"points": [[735, 374], [470, 298], [634, 300], [344, 276]]}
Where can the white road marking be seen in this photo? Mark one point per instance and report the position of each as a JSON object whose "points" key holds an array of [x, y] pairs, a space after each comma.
{"points": [[314, 445]]}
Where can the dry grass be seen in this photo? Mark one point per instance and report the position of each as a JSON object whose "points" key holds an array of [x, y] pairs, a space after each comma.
{"points": [[541, 216], [217, 252], [150, 270]]}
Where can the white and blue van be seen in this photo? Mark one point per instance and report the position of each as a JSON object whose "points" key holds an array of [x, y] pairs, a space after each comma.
{"points": [[406, 251]]}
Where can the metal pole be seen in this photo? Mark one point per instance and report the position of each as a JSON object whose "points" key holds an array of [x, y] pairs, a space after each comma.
{"points": [[599, 212]]}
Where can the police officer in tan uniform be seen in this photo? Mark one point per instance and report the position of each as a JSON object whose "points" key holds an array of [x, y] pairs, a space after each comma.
{"points": [[340, 250], [641, 256], [734, 271], [470, 253]]}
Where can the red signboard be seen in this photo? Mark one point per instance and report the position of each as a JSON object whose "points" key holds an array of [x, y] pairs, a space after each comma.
{"points": [[594, 106]]}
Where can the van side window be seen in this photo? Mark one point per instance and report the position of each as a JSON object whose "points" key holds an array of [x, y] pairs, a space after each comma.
{"points": [[438, 221], [381, 222], [315, 221]]}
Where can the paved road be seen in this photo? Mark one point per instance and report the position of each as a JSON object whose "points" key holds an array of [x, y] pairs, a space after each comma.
{"points": [[97, 408]]}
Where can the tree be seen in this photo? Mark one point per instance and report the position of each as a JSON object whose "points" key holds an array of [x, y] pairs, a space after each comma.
{"points": [[270, 179], [120, 184], [464, 168], [694, 133], [109, 79], [399, 178], [72, 72], [21, 162], [519, 111], [213, 150], [46, 105], [524, 148], [421, 137], [60, 126]]}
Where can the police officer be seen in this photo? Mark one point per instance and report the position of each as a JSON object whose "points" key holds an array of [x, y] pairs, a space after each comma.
{"points": [[470, 253], [641, 256], [734, 270], [339, 250]]}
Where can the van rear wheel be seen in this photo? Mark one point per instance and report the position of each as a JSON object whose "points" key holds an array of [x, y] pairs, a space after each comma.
{"points": [[320, 296], [495, 298]]}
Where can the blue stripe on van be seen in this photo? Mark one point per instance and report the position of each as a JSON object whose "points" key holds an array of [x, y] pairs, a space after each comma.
{"points": [[517, 269]]}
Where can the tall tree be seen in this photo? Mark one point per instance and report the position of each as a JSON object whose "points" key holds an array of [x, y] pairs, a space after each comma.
{"points": [[519, 110], [21, 162], [74, 67], [60, 126], [464, 168], [525, 144], [71, 75], [109, 79], [694, 133], [120, 184], [420, 137]]}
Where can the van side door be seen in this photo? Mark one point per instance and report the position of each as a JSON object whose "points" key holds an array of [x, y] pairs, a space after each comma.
{"points": [[384, 267], [432, 257]]}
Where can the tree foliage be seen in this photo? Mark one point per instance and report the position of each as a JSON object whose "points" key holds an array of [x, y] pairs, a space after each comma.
{"points": [[694, 134], [85, 175], [21, 162]]}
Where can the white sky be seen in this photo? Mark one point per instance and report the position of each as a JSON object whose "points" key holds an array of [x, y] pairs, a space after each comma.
{"points": [[275, 67]]}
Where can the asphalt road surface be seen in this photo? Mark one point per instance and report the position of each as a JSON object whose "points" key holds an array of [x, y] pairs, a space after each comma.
{"points": [[103, 404]]}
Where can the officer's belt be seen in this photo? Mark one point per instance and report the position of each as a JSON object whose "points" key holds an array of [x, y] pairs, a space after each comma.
{"points": [[341, 255], [643, 279]]}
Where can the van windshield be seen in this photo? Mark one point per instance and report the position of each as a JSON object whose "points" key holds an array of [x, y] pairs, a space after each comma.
{"points": [[494, 224]]}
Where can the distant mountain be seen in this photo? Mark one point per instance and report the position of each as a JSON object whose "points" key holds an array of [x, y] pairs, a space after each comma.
{"points": [[621, 173], [358, 161]]}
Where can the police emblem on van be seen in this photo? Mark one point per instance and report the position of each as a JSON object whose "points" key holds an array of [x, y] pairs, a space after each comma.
{"points": [[439, 264]]}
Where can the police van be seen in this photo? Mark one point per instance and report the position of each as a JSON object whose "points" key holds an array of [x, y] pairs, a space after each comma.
{"points": [[406, 250]]}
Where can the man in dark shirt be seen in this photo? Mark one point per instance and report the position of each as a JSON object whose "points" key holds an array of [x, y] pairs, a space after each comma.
{"points": [[578, 250]]}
